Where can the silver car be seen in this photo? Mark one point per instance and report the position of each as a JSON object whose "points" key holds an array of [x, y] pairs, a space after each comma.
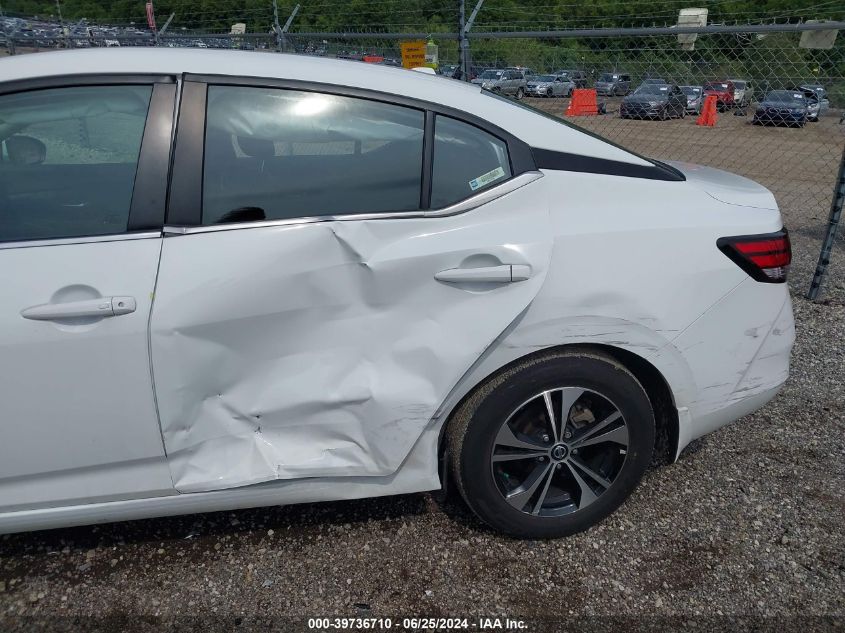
{"points": [[695, 97], [613, 84], [821, 93], [549, 86], [506, 82], [743, 92]]}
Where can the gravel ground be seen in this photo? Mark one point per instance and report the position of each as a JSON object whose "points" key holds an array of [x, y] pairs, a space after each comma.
{"points": [[748, 523]]}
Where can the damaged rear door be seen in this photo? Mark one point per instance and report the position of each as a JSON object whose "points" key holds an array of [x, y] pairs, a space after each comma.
{"points": [[329, 273]]}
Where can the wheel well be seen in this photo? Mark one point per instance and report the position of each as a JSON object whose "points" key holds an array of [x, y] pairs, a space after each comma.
{"points": [[662, 402]]}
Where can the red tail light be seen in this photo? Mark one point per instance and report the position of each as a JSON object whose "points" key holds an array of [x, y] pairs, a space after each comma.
{"points": [[764, 257]]}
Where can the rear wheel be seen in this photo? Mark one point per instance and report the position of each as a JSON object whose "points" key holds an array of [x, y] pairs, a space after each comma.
{"points": [[520, 93], [553, 445]]}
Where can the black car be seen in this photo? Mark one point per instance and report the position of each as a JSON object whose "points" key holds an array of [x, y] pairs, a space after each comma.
{"points": [[652, 81], [787, 107], [654, 101]]}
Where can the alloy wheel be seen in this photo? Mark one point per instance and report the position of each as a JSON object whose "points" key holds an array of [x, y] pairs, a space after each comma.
{"points": [[558, 452]]}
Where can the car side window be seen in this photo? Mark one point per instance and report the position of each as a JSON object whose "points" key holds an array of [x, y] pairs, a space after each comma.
{"points": [[68, 158], [467, 160], [277, 154]]}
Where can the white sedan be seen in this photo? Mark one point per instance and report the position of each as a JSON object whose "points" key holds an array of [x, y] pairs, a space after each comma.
{"points": [[239, 279]]}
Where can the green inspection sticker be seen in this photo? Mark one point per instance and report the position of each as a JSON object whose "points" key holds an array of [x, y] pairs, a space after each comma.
{"points": [[487, 178]]}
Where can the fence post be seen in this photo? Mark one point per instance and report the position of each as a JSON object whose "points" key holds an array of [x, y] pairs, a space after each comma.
{"points": [[832, 225]]}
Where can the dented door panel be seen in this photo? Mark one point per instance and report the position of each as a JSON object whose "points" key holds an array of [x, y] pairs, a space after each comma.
{"points": [[324, 349]]}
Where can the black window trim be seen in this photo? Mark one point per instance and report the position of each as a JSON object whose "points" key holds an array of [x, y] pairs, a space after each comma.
{"points": [[149, 192], [184, 207]]}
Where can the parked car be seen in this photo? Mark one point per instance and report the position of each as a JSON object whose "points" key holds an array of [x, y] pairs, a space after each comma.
{"points": [[813, 103], [613, 84], [652, 81], [695, 98], [294, 319], [655, 101], [549, 86], [506, 82], [578, 77], [723, 91], [743, 92], [821, 94], [788, 107], [526, 72]]}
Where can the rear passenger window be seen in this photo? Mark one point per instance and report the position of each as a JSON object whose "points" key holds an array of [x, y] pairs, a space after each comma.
{"points": [[467, 160], [277, 154], [68, 158]]}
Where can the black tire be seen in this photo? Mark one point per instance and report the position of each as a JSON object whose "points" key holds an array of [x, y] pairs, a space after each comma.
{"points": [[520, 93], [549, 93], [474, 428]]}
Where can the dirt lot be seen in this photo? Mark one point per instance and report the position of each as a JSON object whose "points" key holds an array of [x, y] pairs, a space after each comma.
{"points": [[797, 164], [745, 529]]}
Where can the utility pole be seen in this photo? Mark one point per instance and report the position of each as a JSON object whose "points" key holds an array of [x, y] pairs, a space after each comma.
{"points": [[462, 40], [287, 26], [163, 29], [468, 26], [463, 44], [277, 30], [62, 24]]}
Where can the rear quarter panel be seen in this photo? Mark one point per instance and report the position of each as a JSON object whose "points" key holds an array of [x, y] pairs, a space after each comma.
{"points": [[634, 264]]}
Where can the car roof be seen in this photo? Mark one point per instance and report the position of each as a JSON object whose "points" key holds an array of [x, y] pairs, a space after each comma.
{"points": [[536, 130]]}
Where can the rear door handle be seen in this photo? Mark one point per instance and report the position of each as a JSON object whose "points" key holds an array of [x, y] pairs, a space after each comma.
{"points": [[504, 274], [102, 307]]}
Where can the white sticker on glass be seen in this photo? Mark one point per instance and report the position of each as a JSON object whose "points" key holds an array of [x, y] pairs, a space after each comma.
{"points": [[486, 179]]}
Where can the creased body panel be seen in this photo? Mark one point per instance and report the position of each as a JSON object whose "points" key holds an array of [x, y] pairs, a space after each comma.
{"points": [[755, 329], [324, 349]]}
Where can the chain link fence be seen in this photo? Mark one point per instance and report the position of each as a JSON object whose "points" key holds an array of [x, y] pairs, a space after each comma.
{"points": [[800, 163]]}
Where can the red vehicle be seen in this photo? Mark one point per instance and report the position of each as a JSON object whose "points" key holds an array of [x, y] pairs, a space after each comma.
{"points": [[724, 92]]}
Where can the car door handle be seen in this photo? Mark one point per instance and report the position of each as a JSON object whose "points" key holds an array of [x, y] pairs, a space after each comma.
{"points": [[101, 307], [504, 274]]}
